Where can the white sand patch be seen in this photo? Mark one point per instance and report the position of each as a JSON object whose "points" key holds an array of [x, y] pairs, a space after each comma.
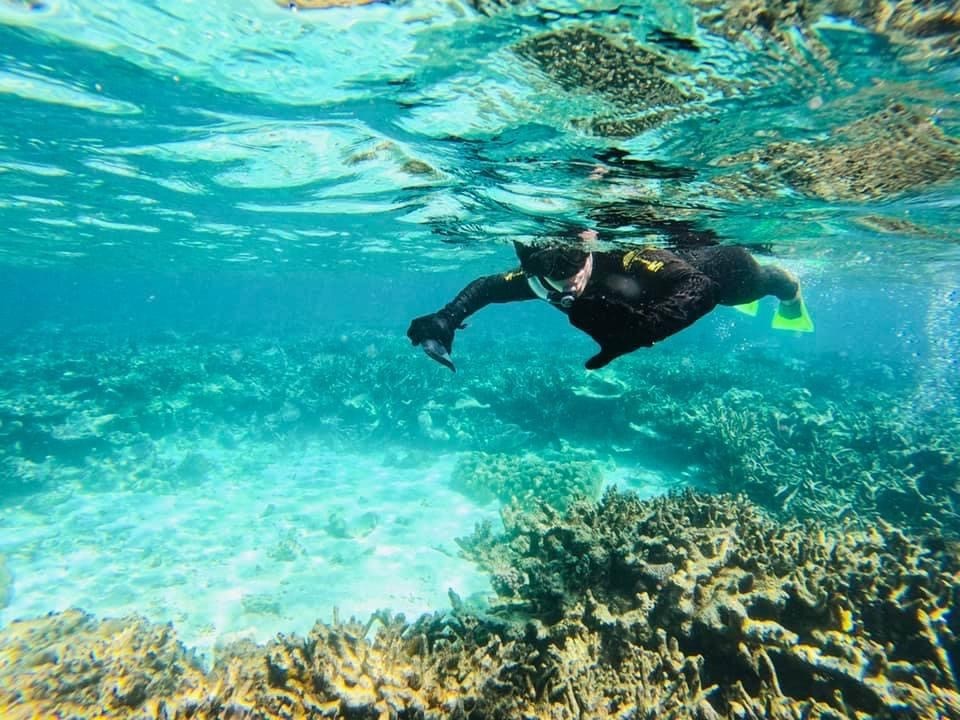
{"points": [[249, 555]]}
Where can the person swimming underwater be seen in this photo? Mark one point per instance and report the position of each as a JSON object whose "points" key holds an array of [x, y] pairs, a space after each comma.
{"points": [[625, 299]]}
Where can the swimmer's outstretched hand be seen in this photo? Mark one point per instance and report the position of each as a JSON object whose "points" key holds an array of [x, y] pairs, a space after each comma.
{"points": [[436, 351], [435, 334]]}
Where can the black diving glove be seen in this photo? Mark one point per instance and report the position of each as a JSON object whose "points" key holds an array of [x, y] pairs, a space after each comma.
{"points": [[435, 333]]}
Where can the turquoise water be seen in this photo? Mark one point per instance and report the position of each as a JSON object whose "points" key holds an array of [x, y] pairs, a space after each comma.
{"points": [[219, 218]]}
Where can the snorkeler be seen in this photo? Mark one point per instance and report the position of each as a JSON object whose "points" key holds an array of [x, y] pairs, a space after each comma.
{"points": [[624, 300]]}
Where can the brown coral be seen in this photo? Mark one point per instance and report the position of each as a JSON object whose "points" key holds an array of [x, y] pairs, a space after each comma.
{"points": [[846, 620], [71, 665], [524, 478], [890, 152], [684, 607]]}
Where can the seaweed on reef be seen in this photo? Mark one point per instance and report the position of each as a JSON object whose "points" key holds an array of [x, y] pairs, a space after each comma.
{"points": [[689, 606]]}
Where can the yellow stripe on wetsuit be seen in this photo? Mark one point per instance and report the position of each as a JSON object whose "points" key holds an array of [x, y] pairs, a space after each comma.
{"points": [[633, 257]]}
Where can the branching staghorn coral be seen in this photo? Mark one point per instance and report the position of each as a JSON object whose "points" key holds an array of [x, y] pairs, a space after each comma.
{"points": [[689, 606]]}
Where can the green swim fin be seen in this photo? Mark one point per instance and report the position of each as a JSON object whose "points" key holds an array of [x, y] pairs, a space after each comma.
{"points": [[792, 318], [750, 308]]}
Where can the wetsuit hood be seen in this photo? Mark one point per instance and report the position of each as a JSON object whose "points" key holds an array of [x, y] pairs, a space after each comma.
{"points": [[554, 260]]}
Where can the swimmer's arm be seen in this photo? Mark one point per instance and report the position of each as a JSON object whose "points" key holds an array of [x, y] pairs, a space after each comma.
{"points": [[439, 327], [501, 288]]}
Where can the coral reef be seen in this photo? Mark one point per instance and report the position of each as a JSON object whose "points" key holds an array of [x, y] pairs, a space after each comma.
{"points": [[71, 665], [580, 59], [929, 26], [643, 88], [523, 478], [838, 622], [691, 606], [815, 457], [893, 151], [797, 438], [642, 78]]}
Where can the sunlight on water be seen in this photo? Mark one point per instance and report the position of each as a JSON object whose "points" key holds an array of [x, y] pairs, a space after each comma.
{"points": [[424, 109]]}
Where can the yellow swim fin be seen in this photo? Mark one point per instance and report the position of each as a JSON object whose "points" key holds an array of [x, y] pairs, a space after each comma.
{"points": [[750, 308], [792, 315]]}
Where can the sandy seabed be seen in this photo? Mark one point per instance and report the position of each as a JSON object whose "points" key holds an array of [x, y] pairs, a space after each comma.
{"points": [[238, 555]]}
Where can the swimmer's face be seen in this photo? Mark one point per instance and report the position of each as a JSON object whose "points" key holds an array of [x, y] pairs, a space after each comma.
{"points": [[573, 284]]}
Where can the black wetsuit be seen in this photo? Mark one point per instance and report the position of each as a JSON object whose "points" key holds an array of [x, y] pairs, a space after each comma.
{"points": [[634, 298]]}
